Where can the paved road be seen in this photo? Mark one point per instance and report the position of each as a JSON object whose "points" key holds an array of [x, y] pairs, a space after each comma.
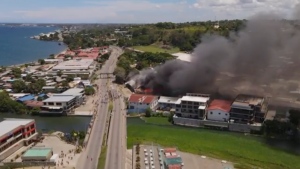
{"points": [[90, 155], [116, 150]]}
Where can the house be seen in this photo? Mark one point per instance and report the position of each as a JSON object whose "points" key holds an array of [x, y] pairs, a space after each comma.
{"points": [[192, 105], [26, 98], [218, 110], [167, 103], [138, 103], [248, 109]]}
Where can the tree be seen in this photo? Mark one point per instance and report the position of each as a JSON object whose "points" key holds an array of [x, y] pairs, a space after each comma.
{"points": [[16, 72], [65, 84], [18, 86], [70, 78], [120, 75], [59, 73], [294, 117], [41, 61], [35, 111], [52, 56], [89, 91], [148, 112]]}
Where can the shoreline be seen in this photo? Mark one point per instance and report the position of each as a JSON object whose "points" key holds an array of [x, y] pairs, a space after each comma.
{"points": [[35, 61]]}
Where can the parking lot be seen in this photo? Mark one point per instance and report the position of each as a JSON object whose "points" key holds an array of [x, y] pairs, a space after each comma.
{"points": [[149, 157]]}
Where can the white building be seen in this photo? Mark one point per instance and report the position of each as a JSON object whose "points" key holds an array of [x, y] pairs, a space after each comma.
{"points": [[192, 106], [58, 104], [75, 67], [218, 110], [14, 134], [53, 60], [167, 103], [138, 103]]}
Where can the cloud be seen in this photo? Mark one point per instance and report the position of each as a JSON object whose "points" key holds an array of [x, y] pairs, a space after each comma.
{"points": [[142, 11]]}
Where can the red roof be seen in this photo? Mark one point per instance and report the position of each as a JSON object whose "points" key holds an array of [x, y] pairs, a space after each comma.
{"points": [[174, 166], [141, 98], [170, 150], [223, 105]]}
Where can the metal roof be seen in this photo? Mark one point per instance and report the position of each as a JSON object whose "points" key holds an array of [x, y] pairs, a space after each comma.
{"points": [[9, 124], [164, 99], [73, 91], [26, 98], [59, 98], [195, 99]]}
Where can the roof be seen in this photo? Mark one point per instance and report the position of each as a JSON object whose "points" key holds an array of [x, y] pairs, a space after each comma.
{"points": [[183, 56], [74, 64], [172, 161], [142, 98], [170, 150], [164, 99], [37, 152], [10, 124], [49, 87], [59, 98], [73, 91], [174, 166], [26, 98], [223, 105], [32, 103], [246, 101], [42, 95], [195, 99]]}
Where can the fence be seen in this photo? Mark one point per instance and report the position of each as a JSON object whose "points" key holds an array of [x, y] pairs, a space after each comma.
{"points": [[216, 124], [27, 164]]}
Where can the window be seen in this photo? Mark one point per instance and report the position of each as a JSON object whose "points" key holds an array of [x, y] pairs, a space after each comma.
{"points": [[190, 111], [183, 110], [211, 112], [219, 113], [183, 106], [131, 107], [58, 104], [177, 109], [147, 103], [51, 103], [225, 114]]}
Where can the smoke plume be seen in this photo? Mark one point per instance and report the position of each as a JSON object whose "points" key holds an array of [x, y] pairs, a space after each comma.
{"points": [[251, 61]]}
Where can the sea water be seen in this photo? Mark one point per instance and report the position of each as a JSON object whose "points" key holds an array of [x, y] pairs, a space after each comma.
{"points": [[16, 46]]}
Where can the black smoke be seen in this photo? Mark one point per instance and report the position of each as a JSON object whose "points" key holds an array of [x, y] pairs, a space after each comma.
{"points": [[250, 61]]}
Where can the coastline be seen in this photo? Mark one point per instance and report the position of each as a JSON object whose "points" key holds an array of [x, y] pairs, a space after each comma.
{"points": [[35, 61]]}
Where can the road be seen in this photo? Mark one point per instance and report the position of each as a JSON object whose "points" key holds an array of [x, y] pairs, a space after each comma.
{"points": [[90, 155], [116, 150]]}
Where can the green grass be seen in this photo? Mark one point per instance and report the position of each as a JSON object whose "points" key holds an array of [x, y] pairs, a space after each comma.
{"points": [[157, 120], [155, 49], [110, 106], [238, 148], [102, 158]]}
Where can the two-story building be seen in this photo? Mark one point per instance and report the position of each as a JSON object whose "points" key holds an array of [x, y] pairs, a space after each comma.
{"points": [[139, 103], [192, 105], [167, 103], [14, 134], [58, 104]]}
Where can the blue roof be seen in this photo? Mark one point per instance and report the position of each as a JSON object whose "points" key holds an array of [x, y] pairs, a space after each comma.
{"points": [[41, 95], [26, 98]]}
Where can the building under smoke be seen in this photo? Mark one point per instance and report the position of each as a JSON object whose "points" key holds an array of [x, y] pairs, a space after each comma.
{"points": [[260, 59]]}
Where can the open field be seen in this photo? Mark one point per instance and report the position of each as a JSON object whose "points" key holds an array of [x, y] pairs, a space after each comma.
{"points": [[154, 49], [245, 150], [157, 120]]}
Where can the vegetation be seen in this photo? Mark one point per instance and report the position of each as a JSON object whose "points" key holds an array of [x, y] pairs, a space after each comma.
{"points": [[102, 158], [51, 37], [243, 149], [8, 105], [156, 49], [41, 61], [103, 58], [16, 72], [157, 120], [89, 90], [134, 61], [148, 112]]}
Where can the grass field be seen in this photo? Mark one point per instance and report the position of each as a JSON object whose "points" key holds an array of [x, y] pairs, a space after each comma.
{"points": [[102, 158], [155, 49], [238, 148], [157, 120]]}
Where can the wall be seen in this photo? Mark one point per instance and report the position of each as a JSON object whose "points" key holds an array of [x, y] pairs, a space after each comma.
{"points": [[11, 150], [141, 107], [217, 115]]}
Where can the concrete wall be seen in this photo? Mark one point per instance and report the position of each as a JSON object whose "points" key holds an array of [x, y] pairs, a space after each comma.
{"points": [[141, 107], [217, 115], [208, 123]]}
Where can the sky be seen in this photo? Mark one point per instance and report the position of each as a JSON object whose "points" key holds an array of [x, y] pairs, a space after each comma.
{"points": [[136, 11]]}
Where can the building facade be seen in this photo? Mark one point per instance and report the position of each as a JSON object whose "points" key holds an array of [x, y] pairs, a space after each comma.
{"points": [[14, 134], [248, 109], [218, 110], [167, 103], [138, 103], [192, 106]]}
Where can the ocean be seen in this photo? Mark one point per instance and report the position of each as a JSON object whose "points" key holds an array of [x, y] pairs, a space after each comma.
{"points": [[16, 46]]}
